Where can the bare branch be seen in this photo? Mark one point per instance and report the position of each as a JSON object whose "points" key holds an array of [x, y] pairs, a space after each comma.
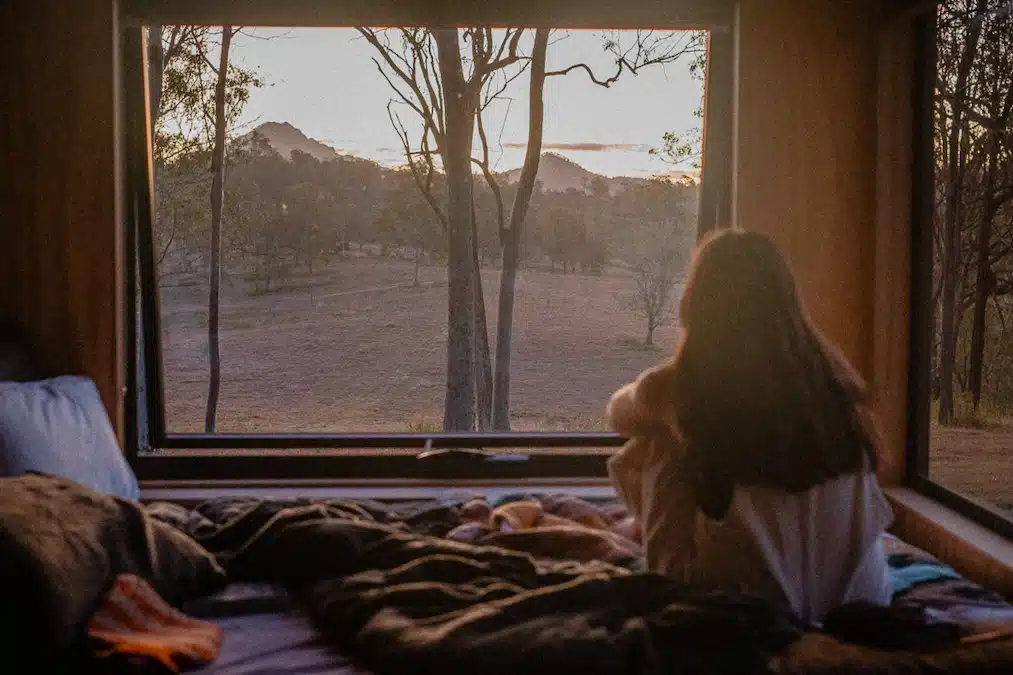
{"points": [[421, 103], [648, 49], [513, 36], [590, 73], [424, 184]]}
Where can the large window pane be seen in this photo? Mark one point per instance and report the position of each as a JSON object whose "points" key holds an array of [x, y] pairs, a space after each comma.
{"points": [[345, 244], [971, 377]]}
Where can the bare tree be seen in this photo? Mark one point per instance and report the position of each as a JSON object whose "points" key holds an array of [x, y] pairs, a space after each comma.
{"points": [[656, 278], [427, 74], [510, 237], [217, 197], [648, 48], [951, 254], [419, 80], [996, 189]]}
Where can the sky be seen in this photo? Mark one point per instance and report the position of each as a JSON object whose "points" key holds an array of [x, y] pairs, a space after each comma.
{"points": [[323, 81]]}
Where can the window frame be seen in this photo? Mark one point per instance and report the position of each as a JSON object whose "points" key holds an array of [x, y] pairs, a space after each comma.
{"points": [[922, 317], [445, 456]]}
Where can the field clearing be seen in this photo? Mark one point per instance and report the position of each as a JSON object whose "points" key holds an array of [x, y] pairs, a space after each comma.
{"points": [[975, 462], [355, 348]]}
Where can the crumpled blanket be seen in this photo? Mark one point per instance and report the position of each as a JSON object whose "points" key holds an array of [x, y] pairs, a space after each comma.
{"points": [[566, 529], [387, 587]]}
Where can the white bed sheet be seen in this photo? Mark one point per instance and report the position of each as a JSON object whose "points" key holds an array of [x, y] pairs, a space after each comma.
{"points": [[275, 644], [266, 635]]}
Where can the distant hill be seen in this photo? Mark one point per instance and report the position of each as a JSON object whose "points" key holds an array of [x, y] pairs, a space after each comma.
{"points": [[555, 172], [559, 174], [284, 138]]}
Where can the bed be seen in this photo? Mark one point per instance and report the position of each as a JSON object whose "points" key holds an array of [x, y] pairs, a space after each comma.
{"points": [[265, 633], [530, 583], [97, 582]]}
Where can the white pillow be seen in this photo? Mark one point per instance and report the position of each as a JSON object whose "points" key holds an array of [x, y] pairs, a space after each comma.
{"points": [[60, 427]]}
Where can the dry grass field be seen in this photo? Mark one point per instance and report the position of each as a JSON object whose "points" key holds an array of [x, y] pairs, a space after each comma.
{"points": [[356, 348], [976, 462]]}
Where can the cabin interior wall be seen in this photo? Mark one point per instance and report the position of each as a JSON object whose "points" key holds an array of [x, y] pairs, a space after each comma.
{"points": [[60, 243], [822, 166]]}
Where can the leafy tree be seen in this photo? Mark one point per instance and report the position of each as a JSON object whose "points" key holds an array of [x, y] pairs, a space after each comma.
{"points": [[193, 102], [684, 148]]}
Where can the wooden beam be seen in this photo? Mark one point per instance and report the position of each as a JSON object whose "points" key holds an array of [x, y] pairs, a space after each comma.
{"points": [[891, 318], [436, 13]]}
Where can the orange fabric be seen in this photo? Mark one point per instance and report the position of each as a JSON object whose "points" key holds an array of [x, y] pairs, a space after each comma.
{"points": [[135, 622]]}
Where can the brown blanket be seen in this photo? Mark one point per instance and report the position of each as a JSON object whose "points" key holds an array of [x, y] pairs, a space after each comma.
{"points": [[61, 548]]}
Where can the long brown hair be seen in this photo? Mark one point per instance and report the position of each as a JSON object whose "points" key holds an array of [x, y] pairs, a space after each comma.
{"points": [[758, 396]]}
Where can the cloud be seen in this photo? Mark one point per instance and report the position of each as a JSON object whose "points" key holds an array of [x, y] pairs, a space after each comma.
{"points": [[582, 147]]}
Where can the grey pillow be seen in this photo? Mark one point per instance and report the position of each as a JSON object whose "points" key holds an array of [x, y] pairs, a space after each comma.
{"points": [[60, 427]]}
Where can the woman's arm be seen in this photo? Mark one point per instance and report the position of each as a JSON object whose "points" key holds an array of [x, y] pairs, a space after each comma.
{"points": [[633, 410], [626, 469], [621, 410]]}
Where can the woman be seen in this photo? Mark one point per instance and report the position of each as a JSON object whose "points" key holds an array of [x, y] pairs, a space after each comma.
{"points": [[752, 454]]}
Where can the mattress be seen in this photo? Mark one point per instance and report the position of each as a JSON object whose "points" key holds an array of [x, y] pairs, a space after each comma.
{"points": [[274, 644], [266, 635]]}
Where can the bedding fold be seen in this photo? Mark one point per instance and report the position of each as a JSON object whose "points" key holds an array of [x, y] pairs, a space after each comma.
{"points": [[395, 601], [62, 546], [396, 590]]}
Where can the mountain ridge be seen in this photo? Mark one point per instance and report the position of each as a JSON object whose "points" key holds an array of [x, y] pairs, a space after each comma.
{"points": [[555, 172]]}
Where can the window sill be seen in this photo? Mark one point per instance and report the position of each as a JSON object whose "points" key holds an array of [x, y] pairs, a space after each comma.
{"points": [[972, 549], [191, 492]]}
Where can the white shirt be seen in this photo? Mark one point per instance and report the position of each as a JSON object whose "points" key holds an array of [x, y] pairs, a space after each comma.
{"points": [[812, 551]]}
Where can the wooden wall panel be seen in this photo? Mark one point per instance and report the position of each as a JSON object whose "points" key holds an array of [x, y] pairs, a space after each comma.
{"points": [[61, 248], [805, 155], [822, 165], [892, 273]]}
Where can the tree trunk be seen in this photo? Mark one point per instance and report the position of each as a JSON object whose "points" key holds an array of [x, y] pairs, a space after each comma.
{"points": [[512, 236], [483, 359], [951, 228], [649, 338], [418, 257], [459, 403], [983, 279], [217, 197]]}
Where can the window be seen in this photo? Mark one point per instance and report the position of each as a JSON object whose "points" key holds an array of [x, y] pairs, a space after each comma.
{"points": [[310, 230], [962, 377]]}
